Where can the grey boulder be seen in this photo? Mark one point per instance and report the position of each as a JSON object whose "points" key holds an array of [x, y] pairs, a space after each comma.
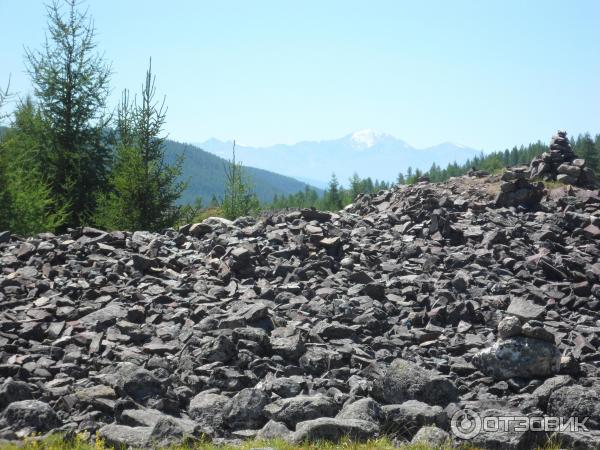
{"points": [[518, 357], [404, 380], [331, 429], [576, 401], [30, 414], [363, 409], [209, 409], [301, 408], [431, 436]]}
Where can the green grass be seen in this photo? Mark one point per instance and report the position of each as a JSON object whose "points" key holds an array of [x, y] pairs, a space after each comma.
{"points": [[548, 184], [553, 184], [79, 442], [83, 442]]}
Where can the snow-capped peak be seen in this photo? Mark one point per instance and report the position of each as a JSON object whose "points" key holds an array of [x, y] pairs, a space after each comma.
{"points": [[367, 138], [454, 144]]}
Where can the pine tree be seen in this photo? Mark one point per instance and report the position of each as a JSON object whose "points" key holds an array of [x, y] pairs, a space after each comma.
{"points": [[144, 188], [333, 198], [5, 95], [71, 85], [586, 149], [189, 212], [5, 198], [311, 197], [6, 205], [239, 200], [597, 153], [26, 203], [356, 186]]}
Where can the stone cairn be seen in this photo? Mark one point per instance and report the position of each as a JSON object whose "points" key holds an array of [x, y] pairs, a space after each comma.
{"points": [[516, 189], [522, 350], [561, 164]]}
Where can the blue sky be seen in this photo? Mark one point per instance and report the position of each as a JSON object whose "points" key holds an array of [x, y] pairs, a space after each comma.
{"points": [[488, 74]]}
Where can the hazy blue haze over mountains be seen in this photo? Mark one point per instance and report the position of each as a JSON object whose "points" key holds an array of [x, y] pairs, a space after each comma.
{"points": [[369, 153], [287, 169]]}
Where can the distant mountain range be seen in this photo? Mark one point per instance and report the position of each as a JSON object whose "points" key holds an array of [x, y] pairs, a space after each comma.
{"points": [[368, 153]]}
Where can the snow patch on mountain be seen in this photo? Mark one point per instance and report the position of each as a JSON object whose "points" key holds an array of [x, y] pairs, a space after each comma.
{"points": [[368, 138]]}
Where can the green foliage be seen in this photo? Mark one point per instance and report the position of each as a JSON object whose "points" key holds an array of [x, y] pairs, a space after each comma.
{"points": [[26, 202], [143, 188], [189, 213], [239, 200], [71, 84], [302, 199], [81, 442], [333, 196], [585, 147], [5, 95]]}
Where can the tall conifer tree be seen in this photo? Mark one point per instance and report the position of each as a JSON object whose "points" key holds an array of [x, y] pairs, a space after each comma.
{"points": [[71, 85], [143, 186]]}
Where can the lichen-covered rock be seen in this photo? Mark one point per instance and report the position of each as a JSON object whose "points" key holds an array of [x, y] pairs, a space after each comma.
{"points": [[363, 409], [14, 391], [543, 392], [407, 418], [431, 436], [508, 327], [274, 430], [246, 410], [576, 401], [404, 380], [209, 410], [33, 415], [332, 429], [519, 357], [125, 436], [301, 408]]}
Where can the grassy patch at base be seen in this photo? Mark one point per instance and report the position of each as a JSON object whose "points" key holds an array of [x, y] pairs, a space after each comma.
{"points": [[81, 442], [58, 442]]}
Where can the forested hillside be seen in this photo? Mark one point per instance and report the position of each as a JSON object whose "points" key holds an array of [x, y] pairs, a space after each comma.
{"points": [[205, 175]]}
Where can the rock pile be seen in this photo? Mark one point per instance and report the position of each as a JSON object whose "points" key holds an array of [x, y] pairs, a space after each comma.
{"points": [[389, 317], [516, 190], [561, 164]]}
